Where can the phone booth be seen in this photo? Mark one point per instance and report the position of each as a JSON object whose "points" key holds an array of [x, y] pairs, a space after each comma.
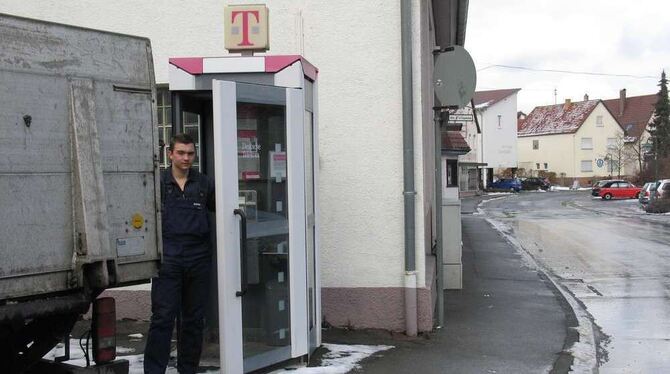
{"points": [[258, 139]]}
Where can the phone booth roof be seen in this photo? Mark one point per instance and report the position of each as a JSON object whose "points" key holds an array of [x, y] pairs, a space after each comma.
{"points": [[186, 69]]}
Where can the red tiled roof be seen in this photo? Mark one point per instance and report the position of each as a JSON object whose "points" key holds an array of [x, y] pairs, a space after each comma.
{"points": [[637, 112], [557, 119], [453, 142], [488, 98]]}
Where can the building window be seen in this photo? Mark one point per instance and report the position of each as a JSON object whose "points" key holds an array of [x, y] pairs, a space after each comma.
{"points": [[463, 181], [452, 173], [191, 122], [587, 165], [537, 165], [587, 143], [546, 166], [536, 144], [611, 143], [473, 179], [599, 121], [164, 105]]}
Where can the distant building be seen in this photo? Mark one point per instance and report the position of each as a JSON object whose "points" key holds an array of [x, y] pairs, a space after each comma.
{"points": [[495, 148], [520, 117], [573, 140], [633, 114]]}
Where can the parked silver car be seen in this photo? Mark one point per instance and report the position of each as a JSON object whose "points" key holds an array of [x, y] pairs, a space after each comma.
{"points": [[645, 193], [662, 188]]}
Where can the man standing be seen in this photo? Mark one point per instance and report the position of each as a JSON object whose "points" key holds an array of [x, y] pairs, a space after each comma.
{"points": [[183, 280]]}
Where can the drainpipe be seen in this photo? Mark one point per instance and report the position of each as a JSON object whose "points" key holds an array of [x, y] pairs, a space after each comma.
{"points": [[408, 168]]}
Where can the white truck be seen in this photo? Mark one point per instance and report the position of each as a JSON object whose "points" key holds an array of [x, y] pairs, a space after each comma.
{"points": [[79, 178]]}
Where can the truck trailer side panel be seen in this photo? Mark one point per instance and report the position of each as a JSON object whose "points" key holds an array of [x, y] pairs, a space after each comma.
{"points": [[79, 171]]}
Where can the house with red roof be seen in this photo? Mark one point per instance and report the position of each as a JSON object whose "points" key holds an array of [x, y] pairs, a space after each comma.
{"points": [[573, 139], [634, 115]]}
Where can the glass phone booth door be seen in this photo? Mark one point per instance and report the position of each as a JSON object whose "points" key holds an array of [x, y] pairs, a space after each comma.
{"points": [[261, 223]]}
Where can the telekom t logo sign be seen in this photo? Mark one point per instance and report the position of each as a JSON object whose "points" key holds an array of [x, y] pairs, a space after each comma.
{"points": [[246, 27], [245, 24]]}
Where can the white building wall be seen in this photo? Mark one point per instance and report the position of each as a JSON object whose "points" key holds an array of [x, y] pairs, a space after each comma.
{"points": [[358, 56], [472, 137], [499, 129]]}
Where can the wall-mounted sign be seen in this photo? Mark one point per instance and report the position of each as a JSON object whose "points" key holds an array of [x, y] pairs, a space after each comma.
{"points": [[246, 28], [461, 117], [600, 162]]}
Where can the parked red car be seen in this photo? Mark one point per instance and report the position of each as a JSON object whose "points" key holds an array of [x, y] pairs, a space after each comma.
{"points": [[620, 190]]}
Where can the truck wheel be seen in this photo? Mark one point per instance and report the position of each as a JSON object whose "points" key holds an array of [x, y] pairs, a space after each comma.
{"points": [[607, 196]]}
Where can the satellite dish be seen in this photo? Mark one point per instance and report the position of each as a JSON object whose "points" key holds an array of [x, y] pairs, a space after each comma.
{"points": [[455, 77]]}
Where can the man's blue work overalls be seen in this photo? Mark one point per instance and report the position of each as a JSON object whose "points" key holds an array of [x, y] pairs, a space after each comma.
{"points": [[183, 280]]}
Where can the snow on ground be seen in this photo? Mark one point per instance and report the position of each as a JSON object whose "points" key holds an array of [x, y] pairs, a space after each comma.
{"points": [[339, 359], [561, 188], [481, 203], [77, 357]]}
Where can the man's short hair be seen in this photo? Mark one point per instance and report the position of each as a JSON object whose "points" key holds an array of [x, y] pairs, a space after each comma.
{"points": [[182, 138]]}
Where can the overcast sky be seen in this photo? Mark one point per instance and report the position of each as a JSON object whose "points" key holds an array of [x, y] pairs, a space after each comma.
{"points": [[618, 37]]}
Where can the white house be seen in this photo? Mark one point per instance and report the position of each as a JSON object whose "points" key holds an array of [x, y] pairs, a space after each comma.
{"points": [[377, 270], [491, 137]]}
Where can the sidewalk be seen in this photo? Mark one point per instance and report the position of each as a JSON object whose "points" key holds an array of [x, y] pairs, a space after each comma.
{"points": [[507, 318]]}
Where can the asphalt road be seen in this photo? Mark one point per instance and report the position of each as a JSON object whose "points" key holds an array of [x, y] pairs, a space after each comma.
{"points": [[613, 258]]}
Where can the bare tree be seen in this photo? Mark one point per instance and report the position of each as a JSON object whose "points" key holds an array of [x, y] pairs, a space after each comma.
{"points": [[635, 150], [617, 155]]}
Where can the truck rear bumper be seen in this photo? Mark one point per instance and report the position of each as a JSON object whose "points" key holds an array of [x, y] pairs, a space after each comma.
{"points": [[74, 303], [114, 367]]}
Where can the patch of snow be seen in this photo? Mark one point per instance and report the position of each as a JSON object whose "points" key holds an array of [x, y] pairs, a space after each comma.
{"points": [[560, 188], [481, 203], [340, 359], [498, 193], [483, 105], [137, 287], [557, 119], [136, 336], [122, 350]]}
